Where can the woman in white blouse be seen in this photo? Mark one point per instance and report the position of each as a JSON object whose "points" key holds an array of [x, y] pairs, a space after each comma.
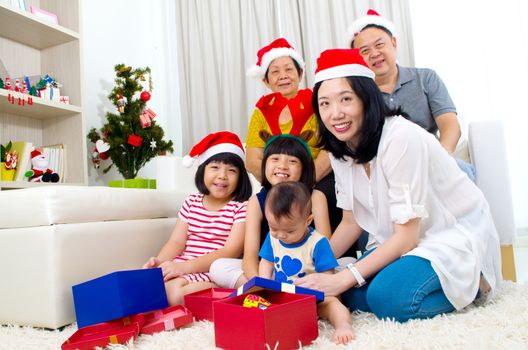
{"points": [[433, 247]]}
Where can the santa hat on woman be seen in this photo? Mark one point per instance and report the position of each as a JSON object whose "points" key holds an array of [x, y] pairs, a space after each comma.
{"points": [[277, 48], [339, 63], [212, 144], [372, 18]]}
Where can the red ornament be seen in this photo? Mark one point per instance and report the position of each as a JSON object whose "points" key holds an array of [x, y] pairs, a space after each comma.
{"points": [[135, 140], [145, 96]]}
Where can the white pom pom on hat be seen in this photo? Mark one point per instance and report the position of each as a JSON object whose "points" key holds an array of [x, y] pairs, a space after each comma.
{"points": [[187, 161], [212, 144], [278, 48], [372, 18]]}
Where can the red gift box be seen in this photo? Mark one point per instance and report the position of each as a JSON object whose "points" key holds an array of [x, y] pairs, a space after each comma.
{"points": [[289, 320], [135, 140], [166, 319], [201, 303], [119, 331]]}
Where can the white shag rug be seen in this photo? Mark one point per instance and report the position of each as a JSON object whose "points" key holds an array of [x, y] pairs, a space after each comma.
{"points": [[501, 324]]}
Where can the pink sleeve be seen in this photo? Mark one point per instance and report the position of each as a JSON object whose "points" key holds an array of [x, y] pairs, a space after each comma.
{"points": [[240, 213]]}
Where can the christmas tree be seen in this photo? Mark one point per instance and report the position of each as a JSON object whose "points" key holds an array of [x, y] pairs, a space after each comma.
{"points": [[131, 137]]}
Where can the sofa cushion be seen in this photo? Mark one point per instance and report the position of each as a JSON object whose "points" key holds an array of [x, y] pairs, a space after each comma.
{"points": [[49, 205]]}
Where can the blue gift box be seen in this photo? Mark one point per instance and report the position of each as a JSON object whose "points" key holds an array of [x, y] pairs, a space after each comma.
{"points": [[259, 283], [119, 294]]}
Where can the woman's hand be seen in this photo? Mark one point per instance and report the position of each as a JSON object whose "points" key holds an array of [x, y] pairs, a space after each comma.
{"points": [[329, 284], [172, 269]]}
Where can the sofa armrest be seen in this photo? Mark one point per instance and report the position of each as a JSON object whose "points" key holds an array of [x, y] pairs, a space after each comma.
{"points": [[488, 155]]}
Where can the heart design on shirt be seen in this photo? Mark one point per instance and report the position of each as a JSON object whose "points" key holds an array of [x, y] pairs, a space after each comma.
{"points": [[291, 266]]}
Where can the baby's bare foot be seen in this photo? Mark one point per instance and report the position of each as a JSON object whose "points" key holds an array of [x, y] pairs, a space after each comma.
{"points": [[343, 334]]}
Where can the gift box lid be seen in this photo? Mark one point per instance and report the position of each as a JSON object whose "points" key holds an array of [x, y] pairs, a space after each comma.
{"points": [[119, 294], [114, 332], [166, 319], [258, 283]]}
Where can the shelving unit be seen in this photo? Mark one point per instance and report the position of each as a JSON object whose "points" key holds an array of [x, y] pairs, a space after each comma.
{"points": [[31, 46]]}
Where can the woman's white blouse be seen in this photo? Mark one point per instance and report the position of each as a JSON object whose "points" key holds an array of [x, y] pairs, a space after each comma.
{"points": [[413, 176]]}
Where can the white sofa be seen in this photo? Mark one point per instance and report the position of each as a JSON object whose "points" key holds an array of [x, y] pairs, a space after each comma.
{"points": [[487, 152], [54, 237]]}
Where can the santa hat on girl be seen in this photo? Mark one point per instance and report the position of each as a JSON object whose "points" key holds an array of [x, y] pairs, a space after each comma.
{"points": [[372, 18], [278, 48], [339, 63], [212, 144]]}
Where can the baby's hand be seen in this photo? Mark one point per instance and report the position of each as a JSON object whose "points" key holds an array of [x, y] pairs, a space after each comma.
{"points": [[152, 262]]}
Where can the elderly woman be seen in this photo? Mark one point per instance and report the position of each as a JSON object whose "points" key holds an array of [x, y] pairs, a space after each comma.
{"points": [[287, 110], [433, 247]]}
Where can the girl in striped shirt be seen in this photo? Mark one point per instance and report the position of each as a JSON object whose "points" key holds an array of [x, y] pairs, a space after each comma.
{"points": [[211, 223]]}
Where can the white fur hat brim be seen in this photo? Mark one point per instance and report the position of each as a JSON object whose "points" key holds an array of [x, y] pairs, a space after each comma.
{"points": [[368, 20], [260, 71]]}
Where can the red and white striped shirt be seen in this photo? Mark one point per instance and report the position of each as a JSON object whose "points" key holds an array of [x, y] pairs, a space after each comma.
{"points": [[207, 230]]}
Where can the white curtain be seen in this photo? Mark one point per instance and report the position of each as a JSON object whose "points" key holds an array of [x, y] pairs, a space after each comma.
{"points": [[218, 40]]}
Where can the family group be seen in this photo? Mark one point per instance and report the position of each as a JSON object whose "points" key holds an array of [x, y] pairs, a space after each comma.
{"points": [[361, 162]]}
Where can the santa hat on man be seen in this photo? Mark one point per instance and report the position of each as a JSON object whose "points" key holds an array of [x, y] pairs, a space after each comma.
{"points": [[277, 48], [372, 18], [339, 63], [212, 144]]}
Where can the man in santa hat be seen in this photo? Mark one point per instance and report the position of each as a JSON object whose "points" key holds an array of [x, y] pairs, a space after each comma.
{"points": [[39, 171], [419, 91]]}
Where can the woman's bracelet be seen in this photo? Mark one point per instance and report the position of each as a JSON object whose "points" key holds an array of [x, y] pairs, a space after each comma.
{"points": [[359, 279]]}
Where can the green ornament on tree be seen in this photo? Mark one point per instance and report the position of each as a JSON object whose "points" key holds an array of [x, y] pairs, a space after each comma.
{"points": [[1, 84], [120, 128]]}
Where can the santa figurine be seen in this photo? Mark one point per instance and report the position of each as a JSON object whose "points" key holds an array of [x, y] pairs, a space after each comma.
{"points": [[39, 169]]}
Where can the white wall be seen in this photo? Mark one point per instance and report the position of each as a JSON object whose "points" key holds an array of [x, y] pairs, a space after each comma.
{"points": [[137, 33], [480, 49]]}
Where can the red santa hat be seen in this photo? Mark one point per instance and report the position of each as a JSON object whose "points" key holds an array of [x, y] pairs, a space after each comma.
{"points": [[339, 63], [35, 153], [277, 48], [372, 18], [212, 144]]}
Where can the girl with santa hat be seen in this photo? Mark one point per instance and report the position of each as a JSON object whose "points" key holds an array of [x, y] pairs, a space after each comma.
{"points": [[211, 223]]}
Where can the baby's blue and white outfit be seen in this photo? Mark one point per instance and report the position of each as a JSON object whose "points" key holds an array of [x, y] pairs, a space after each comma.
{"points": [[312, 254]]}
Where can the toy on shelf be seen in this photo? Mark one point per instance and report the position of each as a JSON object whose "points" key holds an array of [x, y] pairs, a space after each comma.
{"points": [[9, 162], [39, 169]]}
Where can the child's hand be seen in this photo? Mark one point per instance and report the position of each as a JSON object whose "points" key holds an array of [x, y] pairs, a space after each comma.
{"points": [[152, 262], [172, 269]]}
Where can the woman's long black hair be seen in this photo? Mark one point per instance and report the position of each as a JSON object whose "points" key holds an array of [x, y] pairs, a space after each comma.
{"points": [[374, 112]]}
